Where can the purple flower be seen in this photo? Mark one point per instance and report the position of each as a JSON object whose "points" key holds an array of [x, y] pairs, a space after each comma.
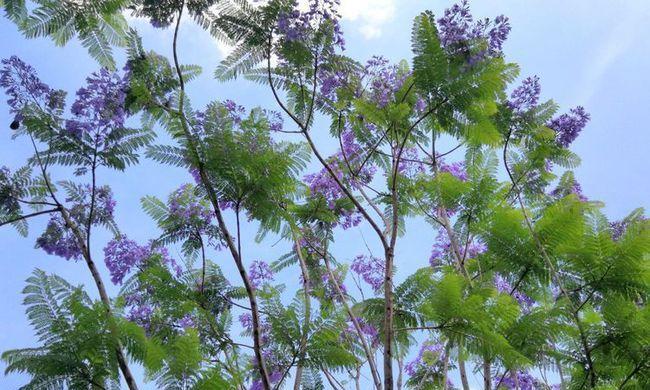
{"points": [[523, 378], [442, 249], [187, 321], [371, 269], [99, 107], [274, 378], [458, 30], [503, 286], [367, 330], [568, 126], [323, 184], [410, 164], [187, 210], [429, 359], [235, 111], [526, 96], [299, 26], [330, 288], [456, 169], [58, 238], [24, 88], [260, 273], [420, 105], [121, 255], [385, 80]]}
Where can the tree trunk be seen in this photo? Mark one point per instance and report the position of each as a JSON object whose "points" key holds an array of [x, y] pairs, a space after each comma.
{"points": [[388, 321]]}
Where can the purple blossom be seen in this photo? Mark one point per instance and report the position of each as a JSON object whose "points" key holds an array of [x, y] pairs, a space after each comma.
{"points": [[420, 105], [260, 273], [187, 321], [99, 107], [371, 269], [276, 122], [456, 169], [429, 359], [246, 320], [618, 228], [568, 126], [24, 88], [385, 80], [367, 330], [573, 188], [442, 249], [323, 184], [330, 288], [299, 26], [235, 111], [184, 207], [141, 315], [274, 377], [524, 379], [121, 255], [58, 238], [503, 286], [525, 96], [458, 29], [410, 164]]}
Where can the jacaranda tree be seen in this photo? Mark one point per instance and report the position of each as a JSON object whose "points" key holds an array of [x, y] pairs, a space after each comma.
{"points": [[526, 274]]}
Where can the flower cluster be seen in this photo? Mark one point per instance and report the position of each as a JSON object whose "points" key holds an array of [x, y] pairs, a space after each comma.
{"points": [[429, 359], [568, 126], [367, 330], [260, 273], [24, 88], [524, 381], [330, 287], [458, 29], [503, 286], [574, 189], [185, 208], [456, 169], [384, 80], [525, 96], [99, 107], [296, 26], [246, 321], [274, 378], [121, 255], [59, 239], [371, 269], [410, 164], [347, 159], [442, 249], [235, 111]]}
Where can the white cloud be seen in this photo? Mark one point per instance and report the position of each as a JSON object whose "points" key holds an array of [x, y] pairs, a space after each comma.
{"points": [[371, 15]]}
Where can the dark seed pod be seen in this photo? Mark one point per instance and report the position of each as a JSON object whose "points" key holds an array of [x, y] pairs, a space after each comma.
{"points": [[14, 125]]}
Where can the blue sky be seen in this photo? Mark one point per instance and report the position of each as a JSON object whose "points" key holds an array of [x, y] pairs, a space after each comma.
{"points": [[589, 52]]}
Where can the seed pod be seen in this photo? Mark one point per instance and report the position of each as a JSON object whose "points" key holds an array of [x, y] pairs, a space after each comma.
{"points": [[14, 125]]}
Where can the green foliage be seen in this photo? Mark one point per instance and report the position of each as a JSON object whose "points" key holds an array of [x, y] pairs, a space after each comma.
{"points": [[99, 25], [76, 350]]}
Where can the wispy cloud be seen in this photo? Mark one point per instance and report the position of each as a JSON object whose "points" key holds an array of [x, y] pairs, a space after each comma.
{"points": [[619, 40]]}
